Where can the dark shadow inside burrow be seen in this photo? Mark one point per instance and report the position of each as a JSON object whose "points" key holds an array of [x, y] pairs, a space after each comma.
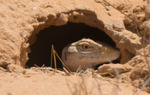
{"points": [[60, 36]]}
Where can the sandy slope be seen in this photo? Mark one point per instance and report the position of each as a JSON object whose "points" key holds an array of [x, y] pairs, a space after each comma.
{"points": [[21, 20]]}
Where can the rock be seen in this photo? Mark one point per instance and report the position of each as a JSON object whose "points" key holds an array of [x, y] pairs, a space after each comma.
{"points": [[15, 68], [113, 69]]}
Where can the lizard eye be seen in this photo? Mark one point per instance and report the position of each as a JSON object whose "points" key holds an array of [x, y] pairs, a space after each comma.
{"points": [[85, 46]]}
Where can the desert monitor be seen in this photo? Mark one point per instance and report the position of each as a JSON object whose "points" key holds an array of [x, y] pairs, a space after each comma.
{"points": [[87, 53]]}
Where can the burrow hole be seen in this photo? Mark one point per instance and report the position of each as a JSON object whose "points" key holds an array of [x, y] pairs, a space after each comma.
{"points": [[60, 36]]}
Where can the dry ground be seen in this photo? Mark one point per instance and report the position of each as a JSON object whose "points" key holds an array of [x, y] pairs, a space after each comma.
{"points": [[44, 81]]}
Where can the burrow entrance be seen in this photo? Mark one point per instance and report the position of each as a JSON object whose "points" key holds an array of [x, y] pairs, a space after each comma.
{"points": [[60, 36]]}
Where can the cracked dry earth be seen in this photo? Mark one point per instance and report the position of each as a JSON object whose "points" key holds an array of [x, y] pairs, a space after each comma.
{"points": [[126, 22]]}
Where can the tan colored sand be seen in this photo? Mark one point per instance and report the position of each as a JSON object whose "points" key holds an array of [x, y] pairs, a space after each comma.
{"points": [[21, 20], [39, 83]]}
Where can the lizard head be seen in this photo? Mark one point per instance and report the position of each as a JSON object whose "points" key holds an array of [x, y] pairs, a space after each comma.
{"points": [[88, 53]]}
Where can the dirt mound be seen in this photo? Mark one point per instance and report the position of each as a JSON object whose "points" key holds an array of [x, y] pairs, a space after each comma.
{"points": [[30, 27]]}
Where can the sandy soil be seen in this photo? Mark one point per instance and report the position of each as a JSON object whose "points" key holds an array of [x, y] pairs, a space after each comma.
{"points": [[126, 22], [38, 81]]}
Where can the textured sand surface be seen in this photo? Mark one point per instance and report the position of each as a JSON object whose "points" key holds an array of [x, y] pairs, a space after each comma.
{"points": [[126, 22]]}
